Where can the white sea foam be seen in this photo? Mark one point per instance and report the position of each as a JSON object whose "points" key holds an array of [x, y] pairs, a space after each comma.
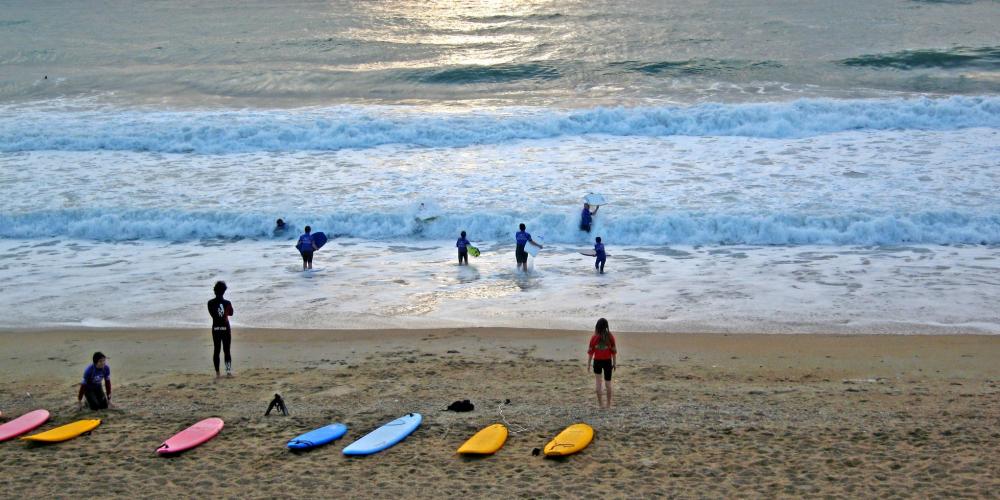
{"points": [[875, 229], [409, 284], [42, 128]]}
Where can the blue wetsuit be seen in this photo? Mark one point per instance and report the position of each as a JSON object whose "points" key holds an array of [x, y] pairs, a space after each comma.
{"points": [[463, 250], [522, 238], [601, 256], [305, 246], [586, 219]]}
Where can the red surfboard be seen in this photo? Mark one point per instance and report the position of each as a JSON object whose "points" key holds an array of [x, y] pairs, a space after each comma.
{"points": [[23, 424], [192, 436]]}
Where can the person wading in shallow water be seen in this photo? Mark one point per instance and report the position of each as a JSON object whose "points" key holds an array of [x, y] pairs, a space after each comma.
{"points": [[523, 238], [604, 355], [306, 248], [222, 334]]}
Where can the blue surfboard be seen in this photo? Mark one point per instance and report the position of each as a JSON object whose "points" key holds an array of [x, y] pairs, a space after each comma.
{"points": [[318, 437], [319, 239], [385, 437]]}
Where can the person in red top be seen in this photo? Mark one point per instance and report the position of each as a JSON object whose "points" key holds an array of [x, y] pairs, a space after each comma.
{"points": [[603, 354]]}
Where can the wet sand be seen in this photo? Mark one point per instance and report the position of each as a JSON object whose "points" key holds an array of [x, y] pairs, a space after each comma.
{"points": [[694, 415]]}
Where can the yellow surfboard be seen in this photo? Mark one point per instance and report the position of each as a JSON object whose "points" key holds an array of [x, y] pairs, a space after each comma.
{"points": [[66, 432], [485, 442], [571, 440]]}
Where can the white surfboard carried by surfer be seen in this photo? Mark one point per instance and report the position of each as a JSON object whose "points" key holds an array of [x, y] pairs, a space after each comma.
{"points": [[532, 249], [595, 199]]}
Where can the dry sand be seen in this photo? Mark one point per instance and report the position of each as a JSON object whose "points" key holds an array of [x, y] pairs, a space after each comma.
{"points": [[695, 415]]}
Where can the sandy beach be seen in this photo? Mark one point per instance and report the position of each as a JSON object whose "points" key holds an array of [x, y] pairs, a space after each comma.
{"points": [[694, 416]]}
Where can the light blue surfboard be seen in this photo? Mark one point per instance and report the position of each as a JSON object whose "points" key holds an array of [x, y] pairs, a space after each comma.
{"points": [[385, 437], [532, 249], [318, 437]]}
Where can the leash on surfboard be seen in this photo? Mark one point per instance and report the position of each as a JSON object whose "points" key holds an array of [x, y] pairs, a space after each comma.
{"points": [[515, 428]]}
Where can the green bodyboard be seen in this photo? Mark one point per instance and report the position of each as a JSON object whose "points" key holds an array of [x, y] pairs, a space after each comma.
{"points": [[473, 251]]}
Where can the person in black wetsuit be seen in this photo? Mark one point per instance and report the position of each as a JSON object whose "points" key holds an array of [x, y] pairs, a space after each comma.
{"points": [[222, 334]]}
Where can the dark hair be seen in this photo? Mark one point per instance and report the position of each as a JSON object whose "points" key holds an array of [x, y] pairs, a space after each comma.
{"points": [[522, 226], [598, 239], [308, 229], [220, 288], [98, 356], [604, 332], [280, 222]]}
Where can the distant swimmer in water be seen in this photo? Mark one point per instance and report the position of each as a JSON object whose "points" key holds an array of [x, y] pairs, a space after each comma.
{"points": [[97, 374], [587, 217], [463, 249], [523, 238], [222, 334], [601, 256], [280, 226], [306, 248], [425, 213]]}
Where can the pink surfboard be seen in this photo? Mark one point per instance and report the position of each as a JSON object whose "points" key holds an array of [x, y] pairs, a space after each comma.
{"points": [[23, 424], [192, 436]]}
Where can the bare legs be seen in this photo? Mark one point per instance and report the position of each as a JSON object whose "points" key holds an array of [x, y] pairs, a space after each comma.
{"points": [[598, 382]]}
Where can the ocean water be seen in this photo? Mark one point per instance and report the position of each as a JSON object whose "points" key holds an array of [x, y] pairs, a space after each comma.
{"points": [[793, 167]]}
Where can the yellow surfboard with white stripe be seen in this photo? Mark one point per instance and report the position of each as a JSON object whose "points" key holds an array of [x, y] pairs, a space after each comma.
{"points": [[64, 433]]}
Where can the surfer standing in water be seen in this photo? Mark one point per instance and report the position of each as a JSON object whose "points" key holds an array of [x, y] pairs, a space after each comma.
{"points": [[306, 248], [587, 216], [603, 355], [90, 386], [463, 249], [523, 238], [222, 334], [600, 254]]}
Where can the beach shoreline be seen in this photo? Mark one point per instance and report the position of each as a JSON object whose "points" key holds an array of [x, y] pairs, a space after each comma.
{"points": [[694, 415]]}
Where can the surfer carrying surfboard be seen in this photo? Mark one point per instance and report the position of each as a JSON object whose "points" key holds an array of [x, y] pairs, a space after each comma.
{"points": [[463, 249], [603, 355], [523, 238], [601, 256], [222, 334], [587, 216], [306, 247], [90, 387]]}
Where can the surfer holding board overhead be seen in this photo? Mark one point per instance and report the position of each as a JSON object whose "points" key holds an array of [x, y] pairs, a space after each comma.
{"points": [[587, 215], [523, 239]]}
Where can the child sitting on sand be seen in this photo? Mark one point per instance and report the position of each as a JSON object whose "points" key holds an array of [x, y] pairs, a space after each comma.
{"points": [[604, 354], [90, 386]]}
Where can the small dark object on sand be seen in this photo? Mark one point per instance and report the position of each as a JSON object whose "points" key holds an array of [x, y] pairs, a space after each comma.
{"points": [[278, 403]]}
